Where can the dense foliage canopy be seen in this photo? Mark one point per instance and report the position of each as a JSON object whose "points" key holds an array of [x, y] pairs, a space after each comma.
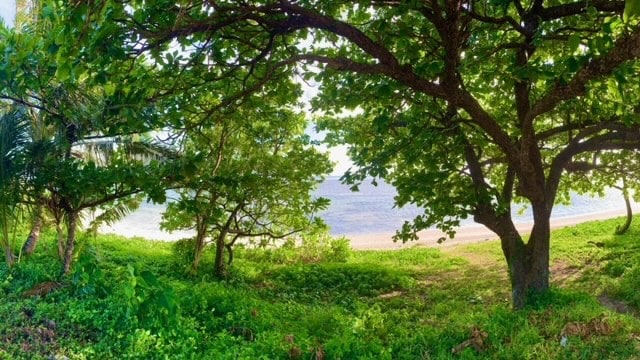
{"points": [[464, 106]]}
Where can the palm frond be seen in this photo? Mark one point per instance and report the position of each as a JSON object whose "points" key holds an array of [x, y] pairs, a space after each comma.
{"points": [[115, 212], [14, 137], [146, 149]]}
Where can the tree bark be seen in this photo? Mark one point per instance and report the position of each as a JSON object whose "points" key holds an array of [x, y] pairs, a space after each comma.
{"points": [[6, 243], [528, 263], [201, 233], [9, 257], [60, 237], [625, 193], [72, 220], [220, 270], [34, 235], [529, 266]]}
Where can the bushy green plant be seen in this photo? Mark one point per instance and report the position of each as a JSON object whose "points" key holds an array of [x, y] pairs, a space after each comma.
{"points": [[629, 286], [337, 282], [340, 250], [183, 250], [153, 303], [88, 277], [312, 248]]}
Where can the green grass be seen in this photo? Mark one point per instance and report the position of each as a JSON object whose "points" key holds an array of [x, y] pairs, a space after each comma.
{"points": [[131, 298]]}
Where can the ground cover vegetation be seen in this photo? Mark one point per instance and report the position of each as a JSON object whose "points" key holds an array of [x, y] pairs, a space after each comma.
{"points": [[495, 101], [134, 298]]}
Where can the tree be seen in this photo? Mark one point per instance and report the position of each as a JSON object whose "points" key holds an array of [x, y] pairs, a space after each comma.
{"points": [[85, 142], [464, 106], [13, 130], [253, 173], [608, 170]]}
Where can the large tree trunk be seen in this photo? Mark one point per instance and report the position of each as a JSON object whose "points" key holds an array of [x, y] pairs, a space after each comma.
{"points": [[72, 220], [529, 265], [34, 235]]}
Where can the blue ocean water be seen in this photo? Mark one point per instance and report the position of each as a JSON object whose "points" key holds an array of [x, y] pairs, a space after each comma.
{"points": [[368, 211], [372, 211]]}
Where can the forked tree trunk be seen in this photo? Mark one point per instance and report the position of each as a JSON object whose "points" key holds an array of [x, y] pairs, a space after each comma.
{"points": [[528, 263], [220, 270], [72, 220], [529, 266], [34, 235]]}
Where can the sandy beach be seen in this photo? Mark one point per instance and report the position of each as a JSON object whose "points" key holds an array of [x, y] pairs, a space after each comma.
{"points": [[464, 235]]}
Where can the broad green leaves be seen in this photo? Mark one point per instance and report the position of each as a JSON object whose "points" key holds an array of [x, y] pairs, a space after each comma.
{"points": [[248, 174], [631, 9]]}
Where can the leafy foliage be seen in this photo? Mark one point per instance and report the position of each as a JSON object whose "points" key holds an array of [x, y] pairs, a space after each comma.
{"points": [[465, 107], [379, 304], [78, 153], [250, 179]]}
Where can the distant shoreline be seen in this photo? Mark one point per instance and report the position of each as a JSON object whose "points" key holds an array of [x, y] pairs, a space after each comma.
{"points": [[472, 233], [466, 234]]}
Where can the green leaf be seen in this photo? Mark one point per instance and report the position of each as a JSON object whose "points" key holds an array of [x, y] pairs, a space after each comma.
{"points": [[631, 9], [63, 72], [572, 64], [574, 42], [110, 89], [149, 278]]}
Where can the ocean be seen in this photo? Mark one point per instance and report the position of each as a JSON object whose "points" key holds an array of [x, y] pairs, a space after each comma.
{"points": [[368, 211]]}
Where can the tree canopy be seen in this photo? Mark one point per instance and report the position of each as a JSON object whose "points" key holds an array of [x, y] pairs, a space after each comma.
{"points": [[253, 173], [464, 106]]}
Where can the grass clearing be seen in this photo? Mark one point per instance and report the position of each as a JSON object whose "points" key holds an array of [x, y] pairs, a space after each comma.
{"points": [[131, 298]]}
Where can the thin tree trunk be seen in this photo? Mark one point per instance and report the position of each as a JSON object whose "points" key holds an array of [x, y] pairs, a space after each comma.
{"points": [[34, 235], [625, 193], [60, 237], [72, 219], [220, 270], [6, 242], [9, 257], [201, 233]]}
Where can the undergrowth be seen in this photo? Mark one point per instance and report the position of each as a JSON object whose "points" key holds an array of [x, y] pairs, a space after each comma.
{"points": [[136, 299]]}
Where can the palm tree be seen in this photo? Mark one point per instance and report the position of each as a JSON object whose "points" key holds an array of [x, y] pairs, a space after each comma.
{"points": [[55, 140], [13, 139]]}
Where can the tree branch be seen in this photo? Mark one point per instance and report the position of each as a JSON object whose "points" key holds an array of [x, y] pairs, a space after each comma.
{"points": [[580, 7], [617, 139], [625, 49]]}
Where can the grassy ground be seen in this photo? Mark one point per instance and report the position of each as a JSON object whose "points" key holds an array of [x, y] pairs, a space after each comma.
{"points": [[136, 299]]}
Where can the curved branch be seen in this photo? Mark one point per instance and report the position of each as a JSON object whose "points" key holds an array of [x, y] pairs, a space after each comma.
{"points": [[311, 19], [580, 7], [618, 139], [625, 49]]}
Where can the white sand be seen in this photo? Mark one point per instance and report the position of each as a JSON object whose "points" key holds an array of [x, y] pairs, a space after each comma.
{"points": [[464, 235]]}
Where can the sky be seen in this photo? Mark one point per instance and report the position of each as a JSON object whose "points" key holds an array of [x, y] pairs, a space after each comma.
{"points": [[337, 154], [7, 10]]}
